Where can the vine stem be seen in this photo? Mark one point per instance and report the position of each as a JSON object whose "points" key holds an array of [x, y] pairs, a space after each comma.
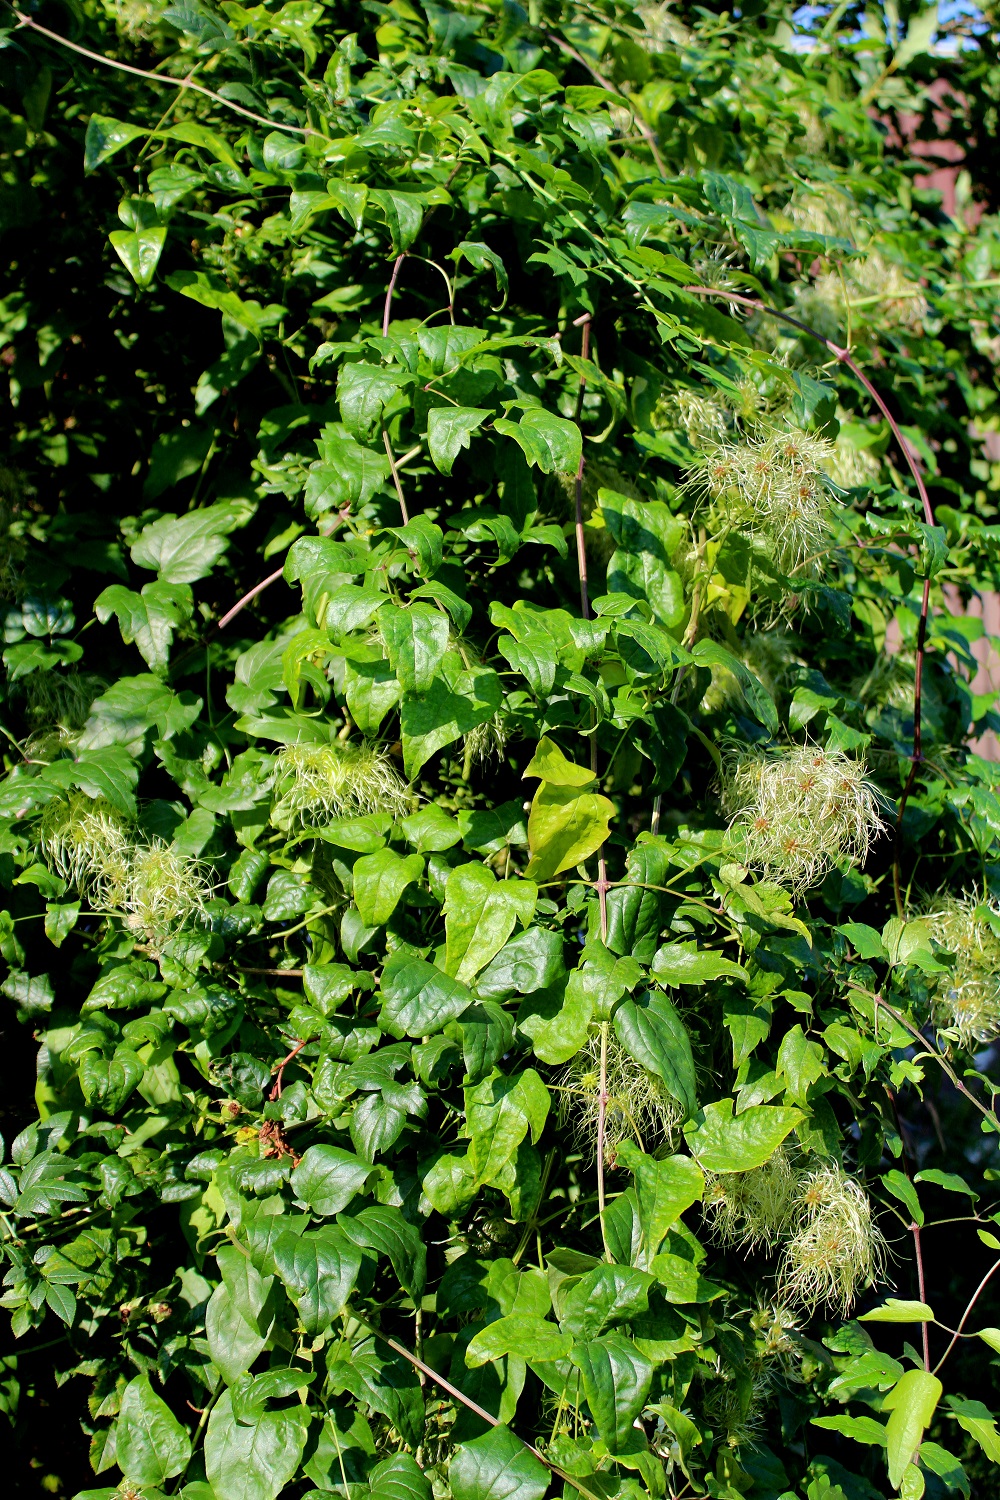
{"points": [[173, 83], [602, 1109], [958, 1331], [914, 1229], [918, 1036], [453, 1390], [581, 541], [844, 357], [386, 315], [242, 603]]}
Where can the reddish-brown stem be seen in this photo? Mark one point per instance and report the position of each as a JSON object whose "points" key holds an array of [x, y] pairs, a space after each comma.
{"points": [[166, 82], [259, 588], [913, 1227], [276, 1089], [446, 1385], [581, 543], [844, 357], [958, 1331], [276, 973], [389, 291]]}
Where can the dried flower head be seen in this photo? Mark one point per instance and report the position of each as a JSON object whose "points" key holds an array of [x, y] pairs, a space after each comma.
{"points": [[701, 417], [486, 742], [164, 889], [638, 1106], [967, 998], [799, 814], [89, 843], [836, 1248], [314, 783], [752, 1209], [60, 698], [774, 486]]}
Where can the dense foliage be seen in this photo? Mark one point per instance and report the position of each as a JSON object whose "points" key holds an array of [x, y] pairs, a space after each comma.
{"points": [[495, 874]]}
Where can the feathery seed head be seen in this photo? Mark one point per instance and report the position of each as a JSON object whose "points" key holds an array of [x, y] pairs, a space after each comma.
{"points": [[967, 998], [89, 843], [638, 1106], [798, 814], [316, 782], [836, 1249], [163, 889], [752, 1209]]}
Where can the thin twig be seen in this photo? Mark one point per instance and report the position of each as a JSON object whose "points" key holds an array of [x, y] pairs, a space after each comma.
{"points": [[918, 1036], [844, 356], [242, 603], [602, 1110], [958, 1332], [581, 543], [276, 1089], [173, 83], [453, 1390], [397, 265], [395, 476]]}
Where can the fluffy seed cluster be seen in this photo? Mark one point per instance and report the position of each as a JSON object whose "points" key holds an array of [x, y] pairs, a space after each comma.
{"points": [[967, 998], [799, 814], [773, 485], [836, 1249], [753, 1209], [821, 1219], [638, 1106], [101, 854], [314, 783]]}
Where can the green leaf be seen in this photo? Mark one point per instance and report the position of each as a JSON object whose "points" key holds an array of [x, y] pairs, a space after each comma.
{"points": [[530, 1338], [450, 708], [386, 1384], [979, 1422], [449, 430], [653, 1033], [861, 1429], [182, 549], [616, 1381], [253, 1461], [233, 1326], [722, 1143], [911, 1405], [417, 998], [551, 442], [104, 137], [499, 1113], [363, 392], [416, 639], [685, 963], [399, 1478], [946, 1465], [990, 1336], [605, 1295], [950, 1181], [710, 654], [565, 827], [383, 1229], [480, 914], [152, 1446], [531, 961], [664, 1189], [800, 1062], [681, 1282], [900, 1186], [318, 1270], [895, 1311], [139, 250], [497, 1466], [380, 880], [326, 1179]]}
